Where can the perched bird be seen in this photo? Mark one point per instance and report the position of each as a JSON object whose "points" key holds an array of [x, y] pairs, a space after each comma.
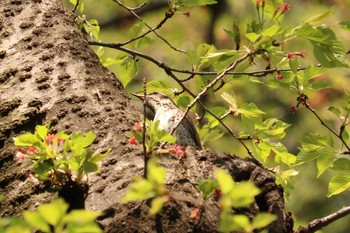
{"points": [[162, 108]]}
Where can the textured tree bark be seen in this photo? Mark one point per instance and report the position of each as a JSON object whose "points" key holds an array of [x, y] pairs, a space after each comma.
{"points": [[48, 73]]}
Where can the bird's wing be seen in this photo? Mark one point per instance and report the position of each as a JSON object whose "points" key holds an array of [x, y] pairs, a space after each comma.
{"points": [[193, 131]]}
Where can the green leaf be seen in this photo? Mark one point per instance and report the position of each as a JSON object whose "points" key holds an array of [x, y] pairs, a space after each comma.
{"points": [[271, 31], [345, 25], [54, 211], [324, 161], [80, 6], [88, 139], [313, 34], [231, 99], [191, 3], [198, 57], [224, 180], [271, 128], [90, 167], [27, 139], [249, 110], [235, 34], [82, 216], [95, 28], [42, 130], [338, 184], [334, 110], [127, 71], [341, 164], [262, 220], [252, 36], [140, 189], [183, 101], [294, 65], [159, 86], [157, 204], [77, 227], [217, 111], [243, 194], [314, 142], [156, 174], [36, 220], [313, 71], [331, 53], [99, 156], [320, 85], [229, 222], [207, 187], [166, 137], [321, 16]]}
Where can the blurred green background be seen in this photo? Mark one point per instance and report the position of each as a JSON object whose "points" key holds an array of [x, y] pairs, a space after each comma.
{"points": [[206, 25]]}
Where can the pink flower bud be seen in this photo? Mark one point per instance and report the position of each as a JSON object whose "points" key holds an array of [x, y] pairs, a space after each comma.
{"points": [[132, 140], [20, 155]]}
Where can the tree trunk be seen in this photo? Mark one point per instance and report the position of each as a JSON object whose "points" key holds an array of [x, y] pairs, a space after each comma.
{"points": [[48, 73]]}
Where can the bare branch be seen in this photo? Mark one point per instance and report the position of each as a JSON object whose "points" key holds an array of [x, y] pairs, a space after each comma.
{"points": [[118, 46], [145, 155], [303, 100], [318, 224], [205, 90], [168, 15]]}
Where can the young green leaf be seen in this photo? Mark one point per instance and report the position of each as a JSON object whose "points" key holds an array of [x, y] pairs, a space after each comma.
{"points": [[224, 180], [207, 187], [191, 3], [250, 110], [262, 220], [157, 204], [338, 184]]}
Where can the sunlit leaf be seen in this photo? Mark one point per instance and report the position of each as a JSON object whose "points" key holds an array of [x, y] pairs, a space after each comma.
{"points": [[139, 189], [249, 110], [42, 130], [324, 161], [54, 211], [345, 25], [27, 139], [341, 164], [225, 181], [338, 184], [157, 204], [36, 220], [334, 110], [127, 71], [321, 16], [243, 193], [191, 3], [263, 219], [156, 174]]}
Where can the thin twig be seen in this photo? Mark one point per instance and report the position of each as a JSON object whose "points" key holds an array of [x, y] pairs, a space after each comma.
{"points": [[303, 100], [318, 224], [205, 90], [145, 156], [258, 73], [76, 6], [168, 15]]}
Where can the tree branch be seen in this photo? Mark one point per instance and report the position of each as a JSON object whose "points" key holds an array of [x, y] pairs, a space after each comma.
{"points": [[168, 15], [318, 224]]}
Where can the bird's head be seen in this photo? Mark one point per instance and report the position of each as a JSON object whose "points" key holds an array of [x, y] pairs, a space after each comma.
{"points": [[156, 100]]}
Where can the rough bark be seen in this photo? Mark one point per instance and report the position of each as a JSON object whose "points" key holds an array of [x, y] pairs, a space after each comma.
{"points": [[48, 73]]}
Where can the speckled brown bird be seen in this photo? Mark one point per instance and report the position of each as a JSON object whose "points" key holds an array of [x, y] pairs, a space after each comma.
{"points": [[164, 109]]}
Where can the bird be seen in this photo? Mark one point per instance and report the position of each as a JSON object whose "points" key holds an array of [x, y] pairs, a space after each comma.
{"points": [[164, 110]]}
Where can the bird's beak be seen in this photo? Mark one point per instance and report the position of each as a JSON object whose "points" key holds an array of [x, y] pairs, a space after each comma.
{"points": [[139, 96]]}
